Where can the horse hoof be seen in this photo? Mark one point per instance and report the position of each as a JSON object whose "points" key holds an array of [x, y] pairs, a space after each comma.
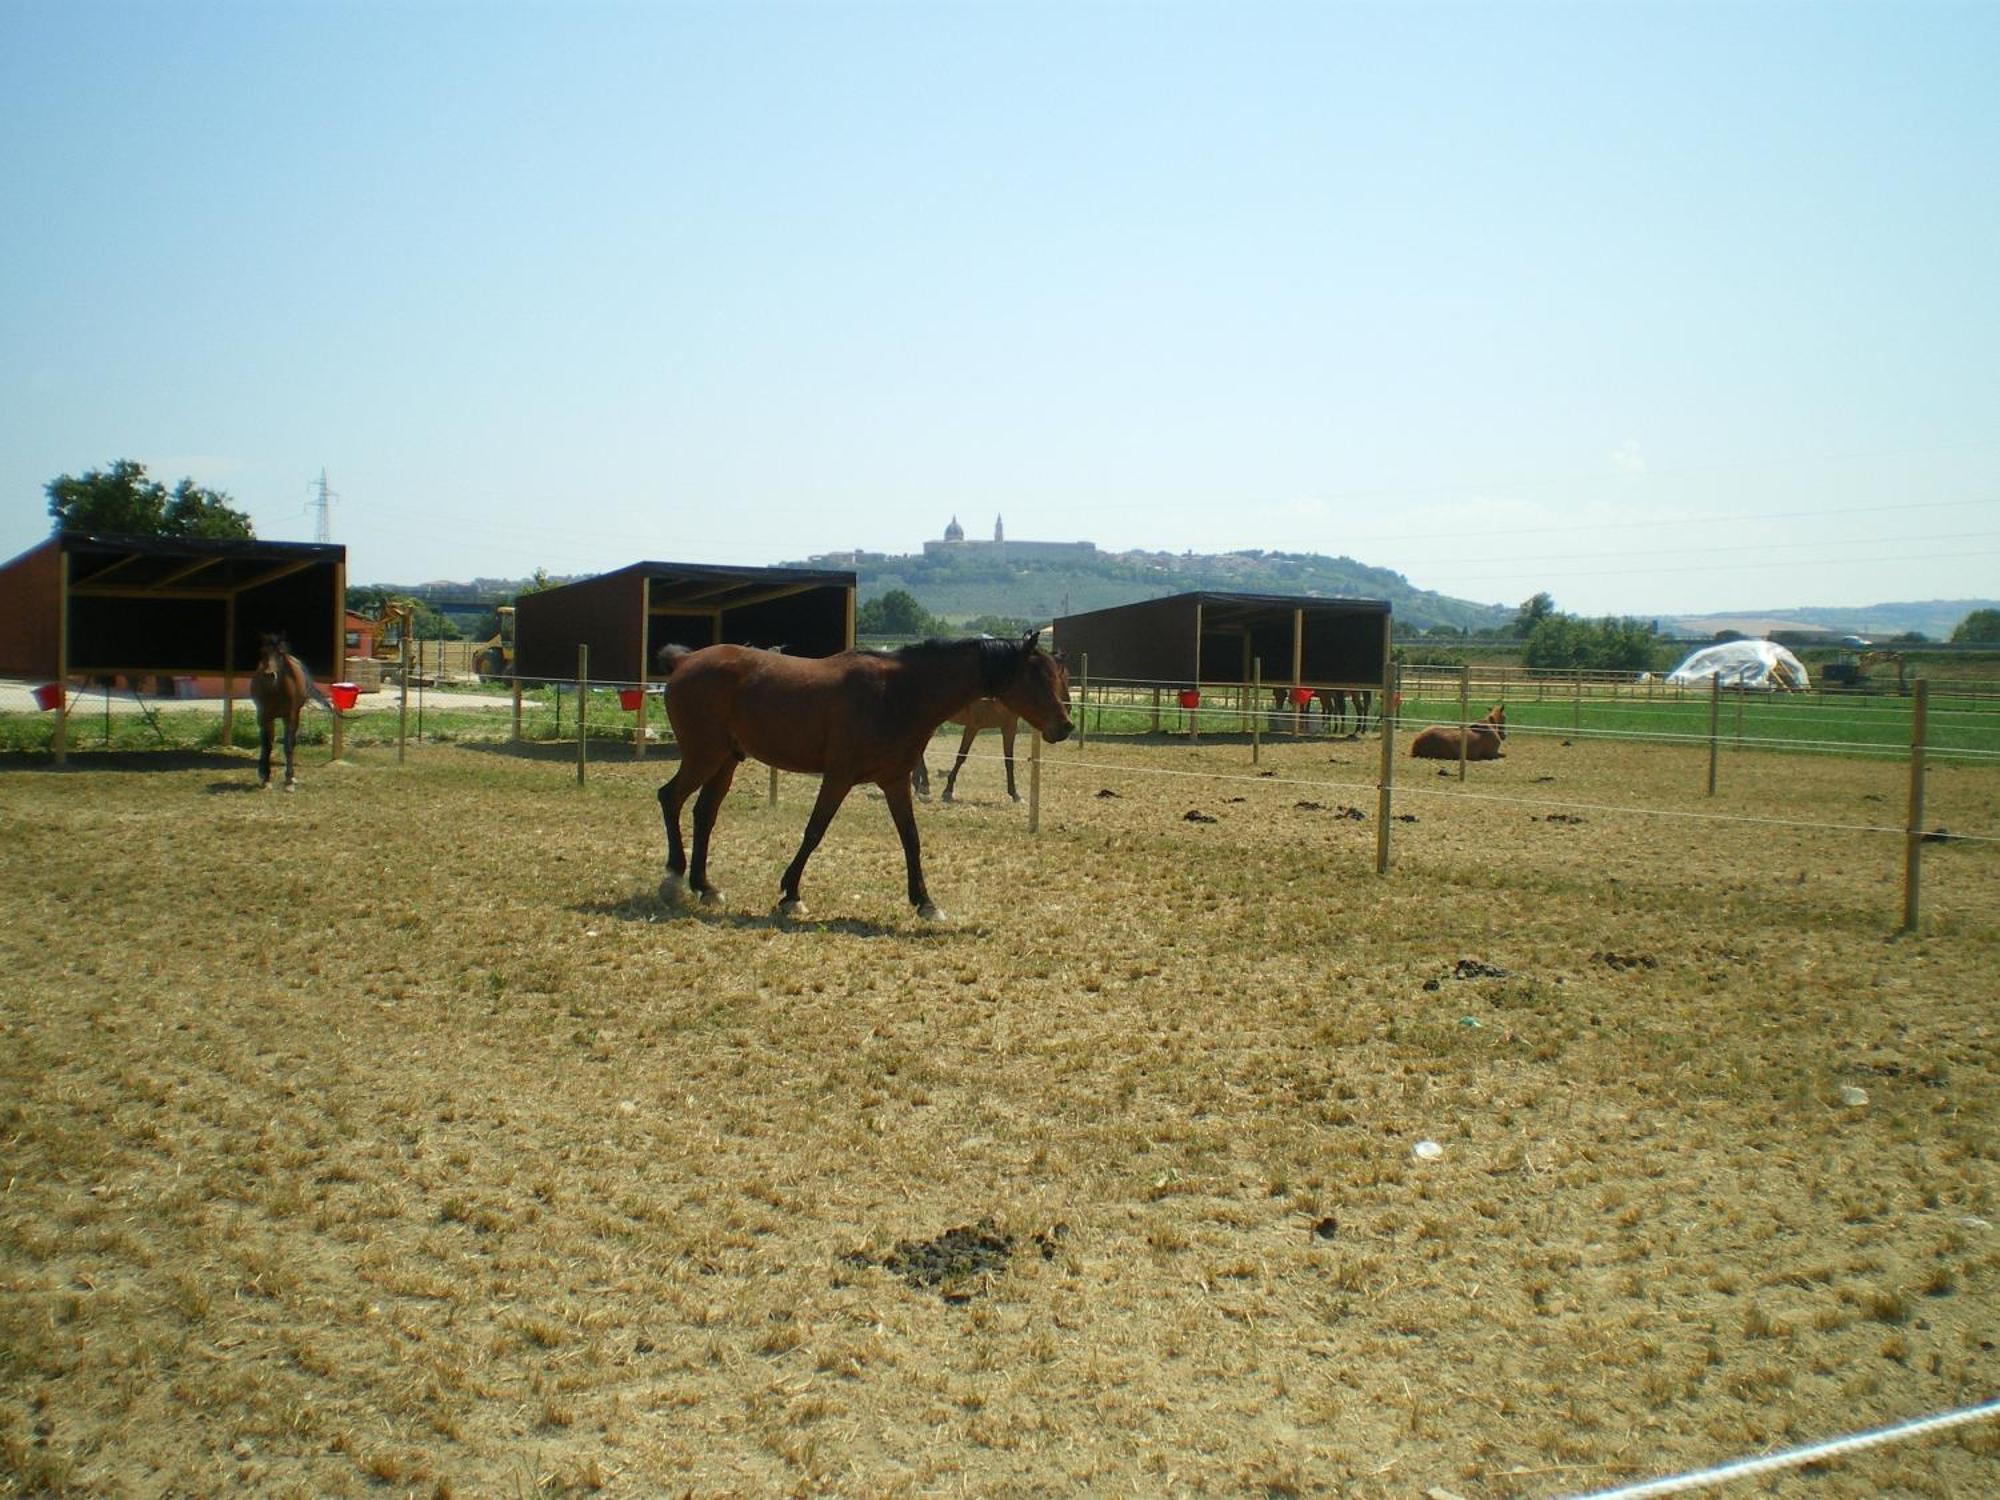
{"points": [[788, 908], [263, 786], [670, 890], [930, 912], [291, 786], [711, 897]]}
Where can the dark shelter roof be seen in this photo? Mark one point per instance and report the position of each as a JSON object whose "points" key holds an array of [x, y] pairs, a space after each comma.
{"points": [[625, 617], [1216, 637], [167, 604]]}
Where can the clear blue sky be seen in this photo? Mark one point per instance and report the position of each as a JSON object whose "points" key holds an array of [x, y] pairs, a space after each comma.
{"points": [[1658, 307]]}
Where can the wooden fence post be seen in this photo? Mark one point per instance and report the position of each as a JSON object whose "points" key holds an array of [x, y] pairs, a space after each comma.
{"points": [[582, 696], [1714, 721], [1464, 717], [1034, 781], [1913, 836], [517, 710], [403, 703], [1082, 697]]}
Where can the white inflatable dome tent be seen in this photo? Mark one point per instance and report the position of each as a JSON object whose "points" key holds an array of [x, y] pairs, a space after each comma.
{"points": [[1764, 666]]}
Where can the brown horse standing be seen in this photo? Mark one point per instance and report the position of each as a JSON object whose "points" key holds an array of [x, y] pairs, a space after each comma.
{"points": [[1440, 741], [858, 716], [986, 713], [279, 687]]}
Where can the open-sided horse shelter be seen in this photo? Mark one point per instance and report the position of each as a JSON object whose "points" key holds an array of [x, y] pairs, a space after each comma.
{"points": [[625, 617], [1193, 639], [85, 604]]}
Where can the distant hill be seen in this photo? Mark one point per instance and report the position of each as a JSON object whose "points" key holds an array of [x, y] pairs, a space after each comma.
{"points": [[1935, 618], [960, 586]]}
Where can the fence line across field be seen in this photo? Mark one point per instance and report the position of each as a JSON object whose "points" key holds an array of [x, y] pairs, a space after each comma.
{"points": [[1793, 1458]]}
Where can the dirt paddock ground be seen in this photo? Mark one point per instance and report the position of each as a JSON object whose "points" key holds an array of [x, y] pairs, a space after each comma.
{"points": [[393, 1137]]}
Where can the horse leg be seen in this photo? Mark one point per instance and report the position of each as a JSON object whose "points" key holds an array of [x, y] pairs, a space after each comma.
{"points": [[964, 749], [673, 796], [266, 726], [706, 806], [1007, 732], [905, 817], [920, 780], [291, 747], [832, 792]]}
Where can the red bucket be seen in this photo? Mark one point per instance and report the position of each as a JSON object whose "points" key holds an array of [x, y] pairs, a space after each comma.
{"points": [[343, 694], [1190, 698], [1301, 697], [629, 699], [49, 695]]}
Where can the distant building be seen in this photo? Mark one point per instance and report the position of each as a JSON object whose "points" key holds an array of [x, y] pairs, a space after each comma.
{"points": [[954, 542]]}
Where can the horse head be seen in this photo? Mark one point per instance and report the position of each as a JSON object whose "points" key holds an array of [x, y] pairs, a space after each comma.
{"points": [[272, 652], [1496, 720], [1038, 689]]}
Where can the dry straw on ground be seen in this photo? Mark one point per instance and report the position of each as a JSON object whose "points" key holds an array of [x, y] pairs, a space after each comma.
{"points": [[392, 1137]]}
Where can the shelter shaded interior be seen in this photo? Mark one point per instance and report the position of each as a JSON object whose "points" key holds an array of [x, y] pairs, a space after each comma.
{"points": [[1341, 641], [806, 611], [156, 604]]}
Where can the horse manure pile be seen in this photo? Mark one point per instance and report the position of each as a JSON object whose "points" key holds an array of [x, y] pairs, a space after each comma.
{"points": [[1469, 968], [950, 1261], [1626, 960]]}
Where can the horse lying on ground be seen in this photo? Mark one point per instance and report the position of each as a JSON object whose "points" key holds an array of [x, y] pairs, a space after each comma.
{"points": [[279, 687], [986, 713], [858, 716], [1440, 741]]}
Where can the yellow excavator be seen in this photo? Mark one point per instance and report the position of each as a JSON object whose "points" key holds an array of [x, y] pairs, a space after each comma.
{"points": [[1850, 671]]}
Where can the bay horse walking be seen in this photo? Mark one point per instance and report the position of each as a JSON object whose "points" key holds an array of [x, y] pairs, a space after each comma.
{"points": [[1440, 741], [984, 713], [860, 716], [280, 686], [1332, 705]]}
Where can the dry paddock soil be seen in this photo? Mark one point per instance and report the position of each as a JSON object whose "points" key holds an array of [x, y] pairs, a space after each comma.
{"points": [[393, 1137]]}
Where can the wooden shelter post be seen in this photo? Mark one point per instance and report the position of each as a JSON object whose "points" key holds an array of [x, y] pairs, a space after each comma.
{"points": [[339, 648], [59, 737], [1257, 714], [1194, 714], [229, 670], [1298, 669], [645, 626]]}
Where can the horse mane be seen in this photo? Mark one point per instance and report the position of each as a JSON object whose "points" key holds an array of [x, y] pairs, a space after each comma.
{"points": [[999, 658]]}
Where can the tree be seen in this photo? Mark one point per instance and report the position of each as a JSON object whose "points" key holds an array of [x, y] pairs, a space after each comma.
{"points": [[1565, 643], [895, 613], [1531, 613], [123, 499], [1981, 627]]}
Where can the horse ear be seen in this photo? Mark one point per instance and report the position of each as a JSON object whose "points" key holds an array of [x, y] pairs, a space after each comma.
{"points": [[1030, 641]]}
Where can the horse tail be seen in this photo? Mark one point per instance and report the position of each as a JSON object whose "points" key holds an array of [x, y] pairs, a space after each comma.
{"points": [[312, 688], [669, 657]]}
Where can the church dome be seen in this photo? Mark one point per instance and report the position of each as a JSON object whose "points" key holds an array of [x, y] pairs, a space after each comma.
{"points": [[954, 532]]}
